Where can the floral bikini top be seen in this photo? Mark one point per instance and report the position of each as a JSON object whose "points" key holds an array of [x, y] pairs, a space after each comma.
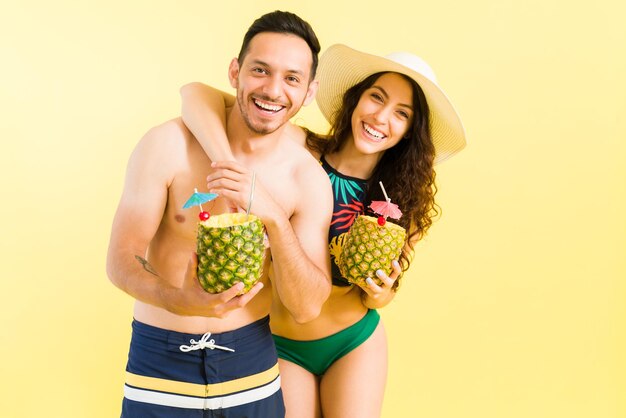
{"points": [[348, 196]]}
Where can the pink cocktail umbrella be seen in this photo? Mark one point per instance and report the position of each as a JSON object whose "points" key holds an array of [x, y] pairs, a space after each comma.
{"points": [[385, 208]]}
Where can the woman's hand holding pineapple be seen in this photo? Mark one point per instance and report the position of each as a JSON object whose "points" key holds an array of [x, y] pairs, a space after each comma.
{"points": [[376, 296]]}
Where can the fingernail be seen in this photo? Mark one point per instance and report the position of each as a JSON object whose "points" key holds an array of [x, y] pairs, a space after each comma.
{"points": [[395, 263], [369, 281], [379, 273]]}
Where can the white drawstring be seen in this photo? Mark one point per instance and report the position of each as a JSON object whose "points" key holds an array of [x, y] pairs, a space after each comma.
{"points": [[203, 343]]}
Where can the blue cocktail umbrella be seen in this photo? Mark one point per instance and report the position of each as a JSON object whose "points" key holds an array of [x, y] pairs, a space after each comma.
{"points": [[197, 199]]}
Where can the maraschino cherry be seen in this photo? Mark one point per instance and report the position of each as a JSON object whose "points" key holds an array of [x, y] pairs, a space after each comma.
{"points": [[204, 215]]}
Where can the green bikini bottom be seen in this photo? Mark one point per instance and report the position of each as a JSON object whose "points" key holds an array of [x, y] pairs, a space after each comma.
{"points": [[317, 356]]}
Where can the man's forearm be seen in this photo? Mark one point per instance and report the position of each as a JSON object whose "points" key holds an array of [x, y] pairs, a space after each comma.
{"points": [[138, 278], [301, 285]]}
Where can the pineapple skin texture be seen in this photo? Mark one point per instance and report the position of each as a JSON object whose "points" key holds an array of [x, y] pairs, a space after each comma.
{"points": [[368, 247], [230, 250]]}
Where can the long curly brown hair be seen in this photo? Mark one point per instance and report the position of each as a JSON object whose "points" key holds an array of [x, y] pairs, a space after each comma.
{"points": [[406, 169]]}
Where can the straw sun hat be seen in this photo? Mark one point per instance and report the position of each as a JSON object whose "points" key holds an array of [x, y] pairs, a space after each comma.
{"points": [[342, 67]]}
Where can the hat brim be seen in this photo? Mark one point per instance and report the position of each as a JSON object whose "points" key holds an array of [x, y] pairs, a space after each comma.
{"points": [[342, 67]]}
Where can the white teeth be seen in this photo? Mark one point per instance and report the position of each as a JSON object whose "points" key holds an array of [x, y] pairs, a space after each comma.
{"points": [[373, 132], [265, 106]]}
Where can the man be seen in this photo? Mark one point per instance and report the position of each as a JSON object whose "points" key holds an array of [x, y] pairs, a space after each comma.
{"points": [[181, 360]]}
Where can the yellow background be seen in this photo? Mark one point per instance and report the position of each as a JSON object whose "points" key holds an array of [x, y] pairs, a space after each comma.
{"points": [[515, 304]]}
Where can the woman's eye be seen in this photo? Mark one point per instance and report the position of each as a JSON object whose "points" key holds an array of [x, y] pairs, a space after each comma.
{"points": [[377, 97]]}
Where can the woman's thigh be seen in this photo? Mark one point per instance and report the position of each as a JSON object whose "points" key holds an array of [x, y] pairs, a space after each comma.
{"points": [[354, 385], [300, 391]]}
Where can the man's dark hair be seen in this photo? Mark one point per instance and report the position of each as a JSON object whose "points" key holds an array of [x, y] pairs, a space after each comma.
{"points": [[282, 22]]}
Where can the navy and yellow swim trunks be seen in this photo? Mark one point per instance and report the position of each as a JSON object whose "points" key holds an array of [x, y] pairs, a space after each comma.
{"points": [[175, 375]]}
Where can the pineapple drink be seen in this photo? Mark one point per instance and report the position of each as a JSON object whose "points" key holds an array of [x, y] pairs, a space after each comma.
{"points": [[230, 250], [368, 247], [372, 243]]}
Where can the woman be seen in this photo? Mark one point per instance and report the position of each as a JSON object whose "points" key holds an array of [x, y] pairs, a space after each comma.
{"points": [[390, 123]]}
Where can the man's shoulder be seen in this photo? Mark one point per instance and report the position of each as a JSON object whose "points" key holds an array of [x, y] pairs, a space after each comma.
{"points": [[312, 182], [308, 169], [163, 147], [167, 139], [170, 132], [296, 134]]}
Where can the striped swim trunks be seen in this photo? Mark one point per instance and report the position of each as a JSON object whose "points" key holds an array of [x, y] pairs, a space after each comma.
{"points": [[233, 374]]}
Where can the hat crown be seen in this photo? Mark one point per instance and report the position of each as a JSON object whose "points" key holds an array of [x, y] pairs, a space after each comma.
{"points": [[413, 62]]}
